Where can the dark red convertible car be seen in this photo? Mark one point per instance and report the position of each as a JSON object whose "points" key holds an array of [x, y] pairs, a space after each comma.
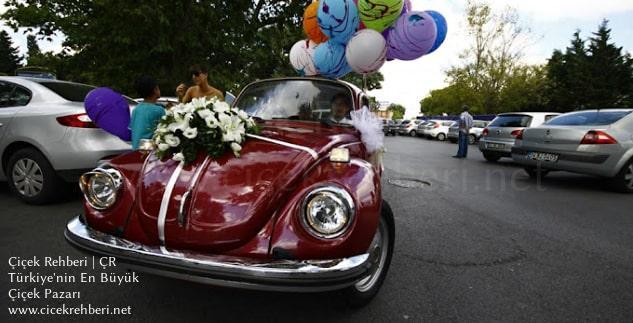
{"points": [[300, 211]]}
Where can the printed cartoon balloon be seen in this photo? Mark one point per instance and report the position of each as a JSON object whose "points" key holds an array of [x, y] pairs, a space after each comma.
{"points": [[379, 14], [366, 51], [338, 19], [109, 111], [329, 60], [311, 24], [301, 57], [442, 29], [412, 36]]}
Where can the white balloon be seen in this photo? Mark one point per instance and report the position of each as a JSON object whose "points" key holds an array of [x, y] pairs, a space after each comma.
{"points": [[301, 55], [366, 52]]}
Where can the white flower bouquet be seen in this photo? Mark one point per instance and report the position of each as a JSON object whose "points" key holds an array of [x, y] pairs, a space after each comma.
{"points": [[202, 125]]}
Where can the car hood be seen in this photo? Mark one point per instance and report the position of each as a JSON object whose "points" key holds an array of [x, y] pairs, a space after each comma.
{"points": [[231, 199]]}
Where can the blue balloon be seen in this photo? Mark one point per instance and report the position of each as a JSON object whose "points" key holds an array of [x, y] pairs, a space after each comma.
{"points": [[442, 29], [338, 19], [329, 60]]}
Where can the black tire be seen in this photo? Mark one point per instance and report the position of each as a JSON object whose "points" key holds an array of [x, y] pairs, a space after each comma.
{"points": [[623, 182], [441, 137], [363, 292], [41, 185], [535, 172], [413, 133], [491, 157], [472, 139]]}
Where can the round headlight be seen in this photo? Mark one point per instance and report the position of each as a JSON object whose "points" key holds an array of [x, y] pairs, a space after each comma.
{"points": [[328, 212], [100, 187]]}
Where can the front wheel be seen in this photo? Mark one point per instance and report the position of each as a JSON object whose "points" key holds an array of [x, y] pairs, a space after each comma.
{"points": [[380, 253], [413, 133], [471, 139], [441, 137]]}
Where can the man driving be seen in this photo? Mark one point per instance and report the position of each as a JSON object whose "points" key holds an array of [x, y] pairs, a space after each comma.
{"points": [[341, 107]]}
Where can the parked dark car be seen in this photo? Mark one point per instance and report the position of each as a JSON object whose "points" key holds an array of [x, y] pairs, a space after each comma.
{"points": [[389, 127]]}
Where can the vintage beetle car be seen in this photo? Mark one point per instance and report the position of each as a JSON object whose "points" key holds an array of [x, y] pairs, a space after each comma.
{"points": [[300, 210]]}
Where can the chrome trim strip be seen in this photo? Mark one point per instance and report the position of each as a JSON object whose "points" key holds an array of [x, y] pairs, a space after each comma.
{"points": [[192, 184], [164, 204], [287, 144], [260, 274]]}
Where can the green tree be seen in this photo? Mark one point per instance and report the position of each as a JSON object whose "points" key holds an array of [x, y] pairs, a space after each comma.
{"points": [[593, 75], [372, 81], [114, 41], [398, 111], [9, 56]]}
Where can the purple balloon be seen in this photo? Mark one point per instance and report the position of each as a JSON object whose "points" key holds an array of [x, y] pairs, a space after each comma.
{"points": [[412, 36], [109, 111]]}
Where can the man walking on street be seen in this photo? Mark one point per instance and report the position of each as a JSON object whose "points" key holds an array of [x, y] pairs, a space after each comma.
{"points": [[465, 123]]}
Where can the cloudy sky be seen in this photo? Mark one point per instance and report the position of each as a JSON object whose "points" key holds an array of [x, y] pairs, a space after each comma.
{"points": [[552, 22]]}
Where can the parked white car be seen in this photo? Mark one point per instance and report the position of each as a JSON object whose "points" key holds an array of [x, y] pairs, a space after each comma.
{"points": [[437, 129], [47, 138]]}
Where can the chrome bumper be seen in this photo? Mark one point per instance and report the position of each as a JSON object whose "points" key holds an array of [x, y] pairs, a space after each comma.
{"points": [[269, 275]]}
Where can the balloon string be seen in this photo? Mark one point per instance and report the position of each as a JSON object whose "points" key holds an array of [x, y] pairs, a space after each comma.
{"points": [[364, 82]]}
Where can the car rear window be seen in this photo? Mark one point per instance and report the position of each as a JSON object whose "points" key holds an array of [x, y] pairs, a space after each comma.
{"points": [[511, 120], [70, 91], [589, 118]]}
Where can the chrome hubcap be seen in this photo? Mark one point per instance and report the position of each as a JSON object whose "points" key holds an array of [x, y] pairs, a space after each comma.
{"points": [[27, 177], [378, 254], [628, 177]]}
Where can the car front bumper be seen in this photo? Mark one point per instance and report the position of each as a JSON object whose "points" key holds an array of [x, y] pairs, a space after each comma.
{"points": [[256, 274]]}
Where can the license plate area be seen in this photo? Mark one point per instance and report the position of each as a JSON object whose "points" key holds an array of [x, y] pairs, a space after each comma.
{"points": [[545, 157], [495, 146]]}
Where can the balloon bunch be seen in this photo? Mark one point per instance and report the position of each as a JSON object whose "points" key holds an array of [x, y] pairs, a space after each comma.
{"points": [[360, 35]]}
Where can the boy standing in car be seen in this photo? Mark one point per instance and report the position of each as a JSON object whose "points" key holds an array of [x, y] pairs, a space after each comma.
{"points": [[147, 114]]}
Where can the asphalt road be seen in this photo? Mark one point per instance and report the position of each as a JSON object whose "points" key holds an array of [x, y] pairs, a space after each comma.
{"points": [[482, 242]]}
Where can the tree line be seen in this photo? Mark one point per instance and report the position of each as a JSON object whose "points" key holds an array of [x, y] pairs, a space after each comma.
{"points": [[110, 43], [589, 74]]}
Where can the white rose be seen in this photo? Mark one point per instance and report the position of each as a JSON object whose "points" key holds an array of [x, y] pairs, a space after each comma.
{"points": [[236, 149], [163, 146], [190, 133], [242, 114], [199, 102], [204, 113], [221, 106], [178, 157], [172, 140]]}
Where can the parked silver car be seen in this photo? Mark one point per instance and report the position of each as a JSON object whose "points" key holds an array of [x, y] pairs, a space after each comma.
{"points": [[46, 137], [498, 138], [594, 142], [436, 129], [473, 135], [409, 127]]}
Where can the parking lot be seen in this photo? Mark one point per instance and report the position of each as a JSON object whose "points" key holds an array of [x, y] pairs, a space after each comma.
{"points": [[475, 241]]}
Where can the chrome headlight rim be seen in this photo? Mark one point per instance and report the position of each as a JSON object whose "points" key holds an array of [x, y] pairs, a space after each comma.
{"points": [[345, 199], [111, 174]]}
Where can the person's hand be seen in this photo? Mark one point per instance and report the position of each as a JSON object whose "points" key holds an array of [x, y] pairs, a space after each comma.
{"points": [[181, 89]]}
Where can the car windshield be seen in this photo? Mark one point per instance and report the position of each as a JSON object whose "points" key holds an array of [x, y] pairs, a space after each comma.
{"points": [[588, 118], [304, 100], [511, 120]]}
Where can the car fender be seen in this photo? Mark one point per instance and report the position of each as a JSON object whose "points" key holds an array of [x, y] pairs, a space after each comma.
{"points": [[290, 239]]}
